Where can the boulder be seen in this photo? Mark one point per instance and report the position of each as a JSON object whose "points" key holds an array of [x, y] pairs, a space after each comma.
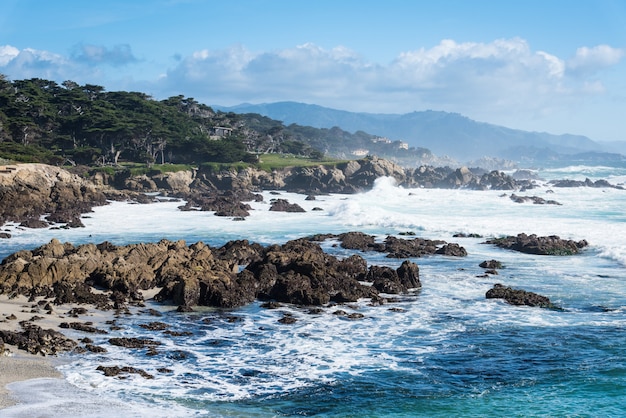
{"points": [[283, 205], [410, 248], [491, 264], [518, 297], [300, 272], [452, 249]]}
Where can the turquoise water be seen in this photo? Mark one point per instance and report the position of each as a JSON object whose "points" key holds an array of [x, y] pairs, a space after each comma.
{"points": [[444, 351]]}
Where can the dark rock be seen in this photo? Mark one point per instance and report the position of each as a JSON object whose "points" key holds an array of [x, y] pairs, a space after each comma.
{"points": [[357, 241], [36, 340], [34, 223], [533, 199], [532, 244], [491, 264], [95, 348], [75, 312], [464, 235], [386, 280], [300, 272], [131, 342], [82, 326], [410, 248], [283, 205], [409, 275], [241, 251], [452, 249], [271, 305], [586, 183], [155, 326], [222, 202], [116, 371], [287, 319], [518, 297]]}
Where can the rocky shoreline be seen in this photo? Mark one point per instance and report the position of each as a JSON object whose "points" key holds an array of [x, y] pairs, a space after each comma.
{"points": [[40, 196], [106, 277], [85, 288]]}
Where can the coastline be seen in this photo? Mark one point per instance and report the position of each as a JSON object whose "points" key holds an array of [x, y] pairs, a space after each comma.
{"points": [[17, 365]]}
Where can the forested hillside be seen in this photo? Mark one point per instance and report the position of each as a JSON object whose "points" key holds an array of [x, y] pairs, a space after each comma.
{"points": [[43, 121]]}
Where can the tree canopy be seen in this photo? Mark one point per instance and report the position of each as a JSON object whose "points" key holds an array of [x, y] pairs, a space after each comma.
{"points": [[43, 121]]}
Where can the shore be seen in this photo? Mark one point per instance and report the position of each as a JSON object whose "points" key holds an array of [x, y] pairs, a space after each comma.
{"points": [[17, 365], [22, 366]]}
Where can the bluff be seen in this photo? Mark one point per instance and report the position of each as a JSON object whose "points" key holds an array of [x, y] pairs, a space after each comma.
{"points": [[30, 191]]}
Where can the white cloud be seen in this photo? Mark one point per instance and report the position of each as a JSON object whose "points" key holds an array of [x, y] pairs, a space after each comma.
{"points": [[493, 81], [590, 60], [116, 56], [31, 63], [7, 54]]}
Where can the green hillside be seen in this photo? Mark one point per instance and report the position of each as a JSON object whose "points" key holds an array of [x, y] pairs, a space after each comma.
{"points": [[42, 121]]}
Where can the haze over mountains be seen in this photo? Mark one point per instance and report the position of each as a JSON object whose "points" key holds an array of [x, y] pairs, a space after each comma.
{"points": [[445, 134]]}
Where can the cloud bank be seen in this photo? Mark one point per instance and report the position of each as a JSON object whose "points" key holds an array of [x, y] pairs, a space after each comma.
{"points": [[505, 75]]}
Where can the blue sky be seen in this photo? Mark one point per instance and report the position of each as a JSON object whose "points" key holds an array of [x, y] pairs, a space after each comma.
{"points": [[554, 66]]}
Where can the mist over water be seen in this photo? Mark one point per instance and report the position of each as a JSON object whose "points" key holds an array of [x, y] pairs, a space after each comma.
{"points": [[445, 351]]}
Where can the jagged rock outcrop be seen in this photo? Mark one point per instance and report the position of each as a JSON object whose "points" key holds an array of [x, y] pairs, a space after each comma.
{"points": [[283, 205], [223, 203], [532, 244], [33, 190], [587, 183], [36, 340], [67, 272], [297, 272], [394, 247]]}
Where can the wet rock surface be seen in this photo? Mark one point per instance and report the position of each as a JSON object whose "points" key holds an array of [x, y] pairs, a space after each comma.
{"points": [[533, 244], [518, 297], [36, 340]]}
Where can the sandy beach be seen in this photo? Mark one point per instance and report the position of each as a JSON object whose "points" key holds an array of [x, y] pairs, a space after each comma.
{"points": [[22, 366], [18, 365]]}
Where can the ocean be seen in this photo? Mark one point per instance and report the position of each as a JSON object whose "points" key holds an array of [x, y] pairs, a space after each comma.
{"points": [[444, 351]]}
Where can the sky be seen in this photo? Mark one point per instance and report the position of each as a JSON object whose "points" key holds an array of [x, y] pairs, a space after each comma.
{"points": [[546, 66]]}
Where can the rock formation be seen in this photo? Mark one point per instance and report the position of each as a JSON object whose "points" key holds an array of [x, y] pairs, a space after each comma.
{"points": [[518, 297], [298, 272], [34, 190], [532, 244]]}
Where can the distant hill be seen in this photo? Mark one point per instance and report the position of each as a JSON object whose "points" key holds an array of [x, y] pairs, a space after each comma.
{"points": [[443, 133]]}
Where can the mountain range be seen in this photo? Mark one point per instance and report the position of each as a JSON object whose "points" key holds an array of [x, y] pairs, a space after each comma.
{"points": [[444, 133]]}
